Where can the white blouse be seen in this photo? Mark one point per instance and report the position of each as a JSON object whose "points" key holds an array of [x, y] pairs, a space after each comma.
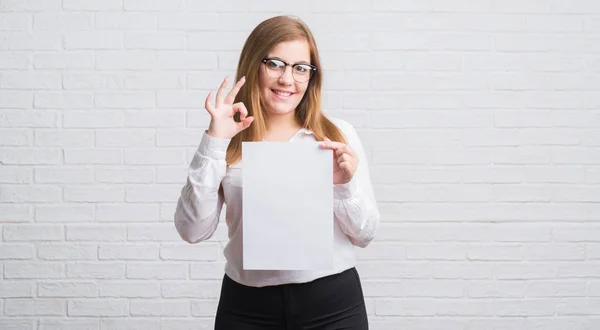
{"points": [[199, 208]]}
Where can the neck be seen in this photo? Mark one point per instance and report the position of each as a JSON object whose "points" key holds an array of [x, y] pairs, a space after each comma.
{"points": [[281, 128], [282, 122]]}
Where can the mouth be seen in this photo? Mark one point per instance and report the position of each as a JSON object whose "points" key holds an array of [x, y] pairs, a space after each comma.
{"points": [[282, 94]]}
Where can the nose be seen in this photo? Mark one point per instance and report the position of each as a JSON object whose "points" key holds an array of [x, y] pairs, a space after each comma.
{"points": [[287, 77]]}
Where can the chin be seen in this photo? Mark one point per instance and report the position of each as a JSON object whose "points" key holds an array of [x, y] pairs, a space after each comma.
{"points": [[279, 110]]}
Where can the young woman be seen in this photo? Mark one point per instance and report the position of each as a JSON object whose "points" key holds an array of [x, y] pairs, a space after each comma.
{"points": [[277, 97]]}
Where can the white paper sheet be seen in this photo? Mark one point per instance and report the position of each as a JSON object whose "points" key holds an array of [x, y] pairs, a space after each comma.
{"points": [[287, 206]]}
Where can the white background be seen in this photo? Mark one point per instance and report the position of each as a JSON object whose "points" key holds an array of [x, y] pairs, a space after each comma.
{"points": [[480, 117]]}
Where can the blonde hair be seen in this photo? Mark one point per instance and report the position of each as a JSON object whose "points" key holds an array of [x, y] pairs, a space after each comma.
{"points": [[261, 40]]}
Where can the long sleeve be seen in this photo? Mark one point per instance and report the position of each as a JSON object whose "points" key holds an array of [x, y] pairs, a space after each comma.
{"points": [[355, 207], [199, 205]]}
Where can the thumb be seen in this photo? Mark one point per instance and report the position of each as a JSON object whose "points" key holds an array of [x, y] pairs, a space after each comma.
{"points": [[327, 139], [246, 122]]}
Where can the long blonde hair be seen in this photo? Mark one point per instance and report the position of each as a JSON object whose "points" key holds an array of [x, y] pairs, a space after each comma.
{"points": [[261, 40]]}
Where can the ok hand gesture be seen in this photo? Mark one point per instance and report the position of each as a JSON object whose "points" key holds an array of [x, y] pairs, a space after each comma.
{"points": [[222, 124]]}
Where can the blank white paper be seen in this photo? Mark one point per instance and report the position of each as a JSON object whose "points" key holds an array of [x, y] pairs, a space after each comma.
{"points": [[287, 206]]}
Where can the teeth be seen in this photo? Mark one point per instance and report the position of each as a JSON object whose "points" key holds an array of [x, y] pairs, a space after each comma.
{"points": [[282, 93]]}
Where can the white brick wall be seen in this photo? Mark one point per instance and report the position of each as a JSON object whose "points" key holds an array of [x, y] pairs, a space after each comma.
{"points": [[481, 119]]}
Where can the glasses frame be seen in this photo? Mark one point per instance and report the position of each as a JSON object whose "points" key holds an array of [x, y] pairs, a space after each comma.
{"points": [[313, 68]]}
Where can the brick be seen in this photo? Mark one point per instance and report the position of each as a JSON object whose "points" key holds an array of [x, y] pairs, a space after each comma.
{"points": [[96, 80], [93, 194], [128, 252], [68, 324], [98, 308], [102, 156], [130, 323], [28, 232], [104, 40], [93, 119], [95, 232], [33, 270], [16, 100], [33, 42], [154, 5], [70, 138], [163, 308], [63, 100], [17, 289], [63, 175], [16, 137], [11, 60], [163, 271], [155, 156], [63, 61], [16, 252], [125, 175], [125, 100], [126, 212], [125, 21], [131, 60], [37, 307], [15, 22], [198, 289], [186, 61], [96, 270], [35, 81], [70, 289], [63, 22], [67, 252], [10, 213], [85, 5], [64, 213], [155, 40], [155, 118], [188, 21], [206, 252], [125, 138], [129, 289]]}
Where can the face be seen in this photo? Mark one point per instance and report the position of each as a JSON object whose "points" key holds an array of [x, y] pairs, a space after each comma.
{"points": [[281, 95]]}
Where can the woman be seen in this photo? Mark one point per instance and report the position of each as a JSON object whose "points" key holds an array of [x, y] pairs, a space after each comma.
{"points": [[277, 98]]}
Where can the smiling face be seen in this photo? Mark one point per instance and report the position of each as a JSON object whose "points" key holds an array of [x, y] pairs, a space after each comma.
{"points": [[281, 95]]}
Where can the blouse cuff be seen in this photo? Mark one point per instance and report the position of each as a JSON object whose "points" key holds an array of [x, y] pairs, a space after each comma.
{"points": [[344, 190], [213, 147]]}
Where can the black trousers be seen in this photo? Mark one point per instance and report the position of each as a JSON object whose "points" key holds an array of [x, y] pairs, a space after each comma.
{"points": [[334, 302]]}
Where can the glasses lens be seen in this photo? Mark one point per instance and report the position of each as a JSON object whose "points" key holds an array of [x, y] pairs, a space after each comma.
{"points": [[302, 72], [275, 68]]}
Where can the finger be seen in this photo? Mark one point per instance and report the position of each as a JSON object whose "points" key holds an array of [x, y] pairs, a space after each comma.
{"points": [[207, 104], [245, 123], [221, 91], [344, 158], [233, 92], [241, 108], [331, 145], [343, 150], [347, 167]]}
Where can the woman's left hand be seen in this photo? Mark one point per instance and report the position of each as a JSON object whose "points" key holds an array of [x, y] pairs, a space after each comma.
{"points": [[345, 161]]}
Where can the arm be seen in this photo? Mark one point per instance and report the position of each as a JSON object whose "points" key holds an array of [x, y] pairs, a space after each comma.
{"points": [[355, 207], [199, 206]]}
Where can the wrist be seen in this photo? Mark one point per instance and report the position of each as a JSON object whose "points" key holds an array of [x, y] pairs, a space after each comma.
{"points": [[216, 135]]}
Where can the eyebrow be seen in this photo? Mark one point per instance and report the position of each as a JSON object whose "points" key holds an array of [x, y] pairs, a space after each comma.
{"points": [[279, 58]]}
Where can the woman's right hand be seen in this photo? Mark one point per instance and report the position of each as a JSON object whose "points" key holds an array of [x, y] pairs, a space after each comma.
{"points": [[222, 124]]}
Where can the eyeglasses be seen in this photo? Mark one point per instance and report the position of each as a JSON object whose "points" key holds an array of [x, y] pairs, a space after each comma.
{"points": [[300, 71]]}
